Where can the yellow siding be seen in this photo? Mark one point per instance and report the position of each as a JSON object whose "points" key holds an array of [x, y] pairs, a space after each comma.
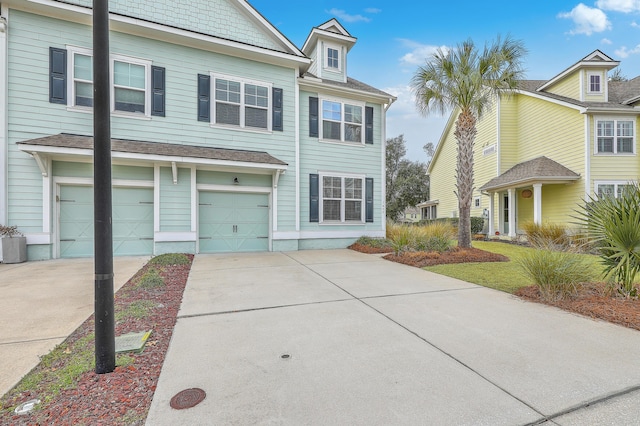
{"points": [[484, 166], [443, 176], [509, 132], [560, 202], [552, 130], [569, 86]]}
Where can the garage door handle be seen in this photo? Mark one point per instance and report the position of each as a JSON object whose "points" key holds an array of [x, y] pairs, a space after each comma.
{"points": [[205, 204], [67, 201], [206, 238], [145, 202], [262, 237], [260, 205], [61, 240]]}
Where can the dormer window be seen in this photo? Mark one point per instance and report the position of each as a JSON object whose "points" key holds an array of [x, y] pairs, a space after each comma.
{"points": [[332, 61], [595, 83]]}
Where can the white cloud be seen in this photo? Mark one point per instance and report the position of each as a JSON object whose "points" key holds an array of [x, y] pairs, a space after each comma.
{"points": [[606, 41], [346, 17], [372, 10], [634, 24], [624, 6], [624, 52], [419, 52], [587, 20]]}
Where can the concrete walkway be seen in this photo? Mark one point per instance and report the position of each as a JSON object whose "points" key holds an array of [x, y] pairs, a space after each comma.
{"points": [[339, 337], [42, 303]]}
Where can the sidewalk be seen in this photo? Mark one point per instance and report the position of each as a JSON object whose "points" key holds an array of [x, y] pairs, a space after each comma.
{"points": [[339, 337], [42, 303]]}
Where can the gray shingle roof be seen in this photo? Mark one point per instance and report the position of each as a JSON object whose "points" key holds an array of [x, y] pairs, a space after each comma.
{"points": [[65, 140], [539, 169], [354, 84]]}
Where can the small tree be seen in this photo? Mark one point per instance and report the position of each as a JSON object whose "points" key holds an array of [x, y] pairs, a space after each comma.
{"points": [[613, 225], [407, 182]]}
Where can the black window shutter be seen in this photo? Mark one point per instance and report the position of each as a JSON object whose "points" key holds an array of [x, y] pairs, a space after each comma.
{"points": [[368, 196], [158, 96], [313, 117], [314, 192], [204, 96], [57, 76], [368, 125], [277, 110]]}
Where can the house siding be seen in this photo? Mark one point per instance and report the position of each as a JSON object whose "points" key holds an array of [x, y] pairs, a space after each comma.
{"points": [[443, 176], [569, 86], [485, 165]]}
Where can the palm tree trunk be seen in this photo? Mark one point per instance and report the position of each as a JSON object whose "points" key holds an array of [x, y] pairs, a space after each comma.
{"points": [[465, 135]]}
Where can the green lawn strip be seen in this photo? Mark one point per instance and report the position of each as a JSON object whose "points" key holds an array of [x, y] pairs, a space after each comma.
{"points": [[503, 276]]}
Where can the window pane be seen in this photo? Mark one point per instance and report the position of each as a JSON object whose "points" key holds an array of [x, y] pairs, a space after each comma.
{"points": [[605, 190], [622, 188], [625, 145], [605, 144], [353, 188], [352, 133], [353, 114], [227, 114], [332, 58], [331, 130], [228, 91], [331, 187], [82, 67], [130, 75], [353, 210], [129, 100], [605, 128], [594, 85], [255, 117], [331, 210], [331, 110], [256, 95], [625, 128], [84, 94]]}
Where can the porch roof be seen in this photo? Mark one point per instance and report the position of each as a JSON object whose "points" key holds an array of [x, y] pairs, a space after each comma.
{"points": [[65, 144], [538, 170]]}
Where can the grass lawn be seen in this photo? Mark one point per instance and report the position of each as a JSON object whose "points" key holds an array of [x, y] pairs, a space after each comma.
{"points": [[504, 276]]}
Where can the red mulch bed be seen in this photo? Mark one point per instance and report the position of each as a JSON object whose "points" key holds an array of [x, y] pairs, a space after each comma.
{"points": [[123, 396], [363, 248], [455, 255], [593, 300]]}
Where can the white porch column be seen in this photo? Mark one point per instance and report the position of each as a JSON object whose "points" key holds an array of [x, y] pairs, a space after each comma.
{"points": [[512, 212], [492, 229], [537, 203]]}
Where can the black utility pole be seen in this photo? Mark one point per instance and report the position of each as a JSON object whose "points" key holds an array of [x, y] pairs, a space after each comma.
{"points": [[103, 299]]}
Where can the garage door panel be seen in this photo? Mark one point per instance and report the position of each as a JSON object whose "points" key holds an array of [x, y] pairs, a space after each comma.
{"points": [[132, 226], [230, 222]]}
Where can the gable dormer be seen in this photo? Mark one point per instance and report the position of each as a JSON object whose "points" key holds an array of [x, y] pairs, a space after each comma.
{"points": [[328, 45], [585, 81]]}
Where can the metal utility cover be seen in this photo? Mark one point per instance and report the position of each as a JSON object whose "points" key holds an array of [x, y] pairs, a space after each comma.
{"points": [[132, 342]]}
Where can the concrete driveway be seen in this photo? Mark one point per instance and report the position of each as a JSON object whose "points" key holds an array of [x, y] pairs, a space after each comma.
{"points": [[42, 303], [339, 337]]}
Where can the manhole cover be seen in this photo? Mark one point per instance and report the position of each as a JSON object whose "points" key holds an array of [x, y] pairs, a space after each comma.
{"points": [[187, 398]]}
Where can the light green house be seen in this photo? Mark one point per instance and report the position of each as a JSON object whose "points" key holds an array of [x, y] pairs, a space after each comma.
{"points": [[226, 136], [544, 149]]}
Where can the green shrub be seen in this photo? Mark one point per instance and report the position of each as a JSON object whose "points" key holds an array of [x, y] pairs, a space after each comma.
{"points": [[170, 259], [613, 225], [556, 273], [434, 236], [477, 224], [400, 237], [151, 279], [374, 242]]}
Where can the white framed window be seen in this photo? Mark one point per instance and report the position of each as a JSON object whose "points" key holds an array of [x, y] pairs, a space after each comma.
{"points": [[342, 199], [342, 121], [476, 202], [610, 188], [241, 103], [130, 82], [615, 136], [332, 58], [594, 83]]}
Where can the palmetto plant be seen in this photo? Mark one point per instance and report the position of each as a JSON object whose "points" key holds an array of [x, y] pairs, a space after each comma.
{"points": [[613, 225], [468, 80]]}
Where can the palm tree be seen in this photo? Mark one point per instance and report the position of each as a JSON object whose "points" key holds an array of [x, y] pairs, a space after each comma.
{"points": [[467, 80]]}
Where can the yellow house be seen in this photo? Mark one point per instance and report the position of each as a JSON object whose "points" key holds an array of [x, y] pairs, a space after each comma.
{"points": [[545, 148]]}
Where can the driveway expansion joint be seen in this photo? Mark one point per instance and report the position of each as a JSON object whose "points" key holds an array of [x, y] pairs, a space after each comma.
{"points": [[43, 339]]}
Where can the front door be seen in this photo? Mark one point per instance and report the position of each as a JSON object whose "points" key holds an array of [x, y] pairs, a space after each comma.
{"points": [[505, 214]]}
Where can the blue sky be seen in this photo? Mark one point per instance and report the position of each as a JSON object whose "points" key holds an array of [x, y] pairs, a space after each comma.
{"points": [[394, 38]]}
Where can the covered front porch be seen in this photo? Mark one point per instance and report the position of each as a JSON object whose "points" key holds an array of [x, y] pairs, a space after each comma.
{"points": [[519, 192]]}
